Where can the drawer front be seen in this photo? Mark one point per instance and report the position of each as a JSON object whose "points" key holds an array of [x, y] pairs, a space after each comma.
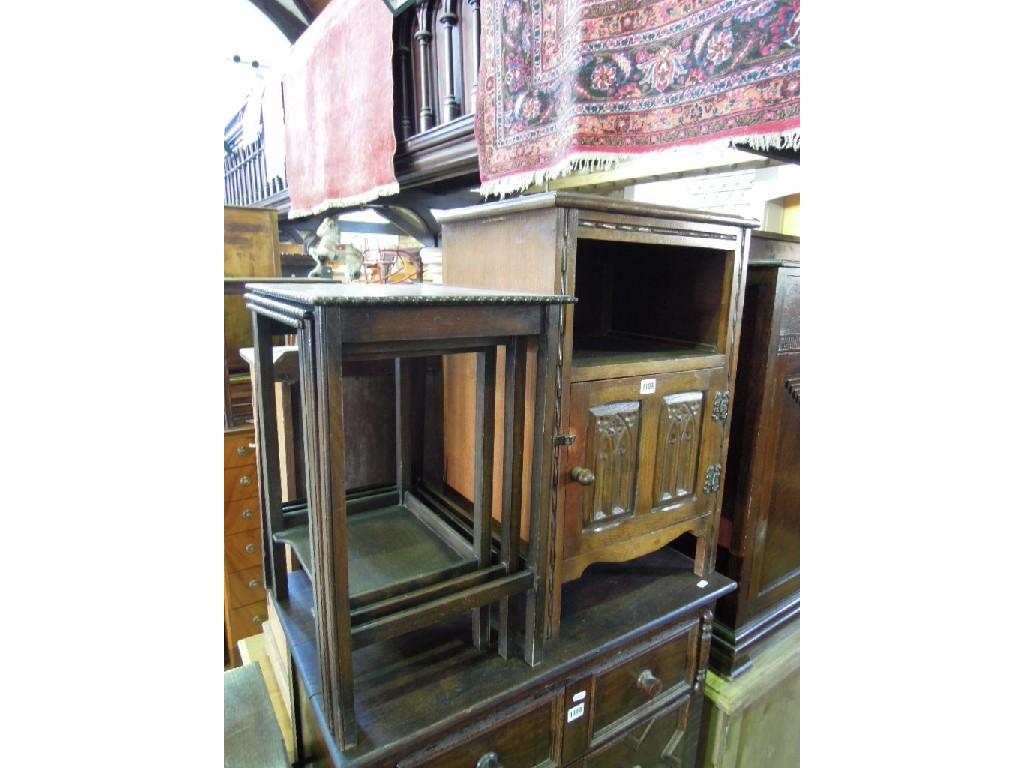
{"points": [[658, 674], [247, 620], [522, 738], [246, 587], [657, 742], [241, 516], [239, 450], [242, 551], [240, 483]]}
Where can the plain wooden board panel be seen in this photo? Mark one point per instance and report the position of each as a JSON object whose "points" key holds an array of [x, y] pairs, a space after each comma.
{"points": [[754, 721], [532, 238], [278, 659]]}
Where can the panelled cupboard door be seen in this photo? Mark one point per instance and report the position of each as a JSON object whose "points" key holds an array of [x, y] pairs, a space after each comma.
{"points": [[645, 459], [775, 569]]}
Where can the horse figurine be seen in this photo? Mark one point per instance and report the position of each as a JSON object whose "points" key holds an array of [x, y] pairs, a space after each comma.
{"points": [[329, 250]]}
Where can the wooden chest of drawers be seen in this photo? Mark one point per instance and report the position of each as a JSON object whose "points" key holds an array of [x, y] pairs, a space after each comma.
{"points": [[244, 595], [622, 686]]}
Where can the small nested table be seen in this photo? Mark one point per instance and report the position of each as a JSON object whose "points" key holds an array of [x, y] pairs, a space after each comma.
{"points": [[386, 561]]}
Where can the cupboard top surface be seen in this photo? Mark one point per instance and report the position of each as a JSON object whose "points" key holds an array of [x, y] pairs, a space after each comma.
{"points": [[591, 203], [315, 294]]}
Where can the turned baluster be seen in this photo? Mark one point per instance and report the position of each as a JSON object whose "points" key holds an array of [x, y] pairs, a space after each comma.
{"points": [[404, 68], [423, 36], [474, 6], [449, 18]]}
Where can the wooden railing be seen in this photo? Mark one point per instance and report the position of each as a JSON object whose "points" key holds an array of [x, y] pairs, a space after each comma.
{"points": [[245, 177], [437, 54]]}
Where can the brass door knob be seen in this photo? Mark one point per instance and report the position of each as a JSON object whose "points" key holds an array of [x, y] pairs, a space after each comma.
{"points": [[242, 450], [257, 620], [490, 760], [254, 583], [582, 475], [250, 548], [247, 514], [245, 480], [648, 683]]}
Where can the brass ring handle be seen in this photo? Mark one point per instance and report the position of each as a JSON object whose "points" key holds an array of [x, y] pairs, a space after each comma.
{"points": [[648, 683], [490, 760], [247, 514], [250, 548], [242, 450], [253, 583], [245, 480], [582, 475]]}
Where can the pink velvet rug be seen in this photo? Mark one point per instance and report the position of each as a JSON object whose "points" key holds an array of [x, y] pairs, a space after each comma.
{"points": [[339, 133]]}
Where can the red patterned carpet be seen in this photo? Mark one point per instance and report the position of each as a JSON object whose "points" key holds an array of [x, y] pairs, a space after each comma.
{"points": [[569, 84]]}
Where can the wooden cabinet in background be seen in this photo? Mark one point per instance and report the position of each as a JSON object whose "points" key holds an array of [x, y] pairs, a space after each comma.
{"points": [[760, 533]]}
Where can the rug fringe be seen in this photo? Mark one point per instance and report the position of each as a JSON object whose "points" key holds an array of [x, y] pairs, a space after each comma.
{"points": [[582, 163], [346, 202]]}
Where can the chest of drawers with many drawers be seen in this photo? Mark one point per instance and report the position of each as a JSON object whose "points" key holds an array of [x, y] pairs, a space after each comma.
{"points": [[245, 607]]}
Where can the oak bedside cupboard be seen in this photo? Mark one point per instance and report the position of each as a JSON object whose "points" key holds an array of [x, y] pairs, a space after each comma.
{"points": [[646, 368]]}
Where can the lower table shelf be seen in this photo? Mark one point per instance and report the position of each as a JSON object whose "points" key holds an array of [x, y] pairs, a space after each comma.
{"points": [[392, 549], [407, 566]]}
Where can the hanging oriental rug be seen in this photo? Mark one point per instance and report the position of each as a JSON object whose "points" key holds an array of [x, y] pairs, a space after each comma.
{"points": [[338, 102], [570, 85]]}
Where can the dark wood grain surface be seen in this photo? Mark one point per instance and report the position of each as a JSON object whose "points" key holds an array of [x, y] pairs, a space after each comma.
{"points": [[760, 545]]}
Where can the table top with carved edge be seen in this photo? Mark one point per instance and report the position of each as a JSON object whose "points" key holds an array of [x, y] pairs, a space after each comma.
{"points": [[352, 294]]}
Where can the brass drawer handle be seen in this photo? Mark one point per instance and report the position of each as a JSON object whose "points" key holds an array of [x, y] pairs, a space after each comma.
{"points": [[257, 620], [582, 475], [648, 683], [247, 514], [245, 480], [242, 450], [490, 760], [254, 583], [250, 548]]}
